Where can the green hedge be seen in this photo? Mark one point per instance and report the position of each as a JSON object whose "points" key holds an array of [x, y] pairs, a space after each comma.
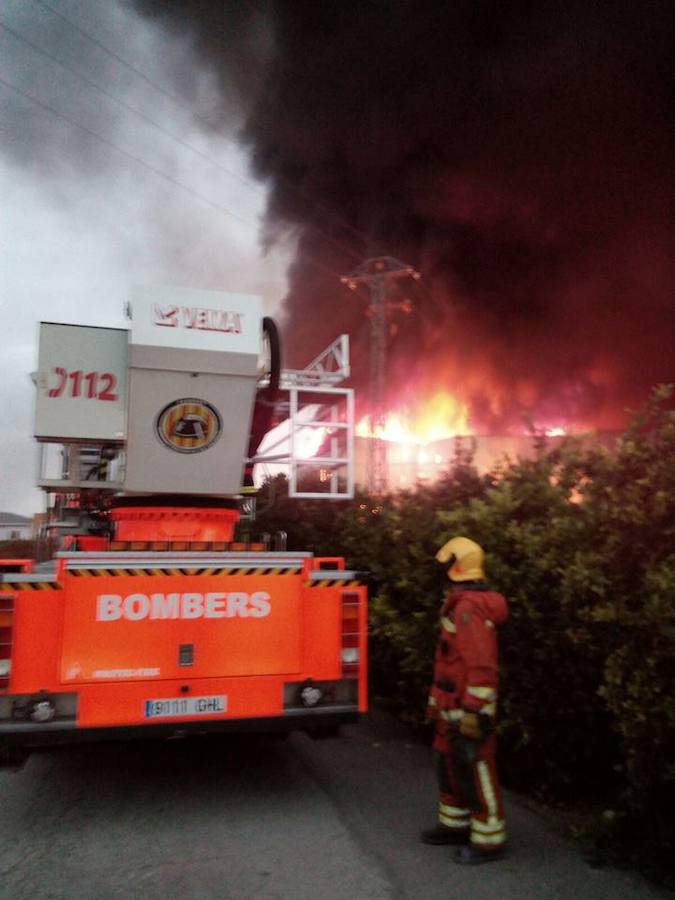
{"points": [[581, 541]]}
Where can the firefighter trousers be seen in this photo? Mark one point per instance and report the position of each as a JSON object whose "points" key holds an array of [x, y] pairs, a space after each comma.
{"points": [[470, 797]]}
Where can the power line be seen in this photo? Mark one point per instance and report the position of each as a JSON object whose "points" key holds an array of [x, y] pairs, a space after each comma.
{"points": [[122, 61], [130, 108], [138, 159], [145, 164], [174, 99]]}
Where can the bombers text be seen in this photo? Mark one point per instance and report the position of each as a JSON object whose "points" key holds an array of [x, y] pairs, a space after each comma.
{"points": [[213, 605]]}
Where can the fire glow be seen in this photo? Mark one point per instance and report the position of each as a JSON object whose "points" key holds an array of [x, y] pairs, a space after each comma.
{"points": [[438, 419], [417, 441], [309, 441]]}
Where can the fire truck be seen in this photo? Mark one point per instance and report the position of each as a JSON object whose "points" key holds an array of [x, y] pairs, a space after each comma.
{"points": [[149, 611]]}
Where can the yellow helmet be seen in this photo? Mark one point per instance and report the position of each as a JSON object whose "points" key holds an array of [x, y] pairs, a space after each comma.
{"points": [[465, 558]]}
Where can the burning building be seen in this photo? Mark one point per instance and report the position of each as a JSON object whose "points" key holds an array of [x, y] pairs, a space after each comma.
{"points": [[423, 450], [518, 155]]}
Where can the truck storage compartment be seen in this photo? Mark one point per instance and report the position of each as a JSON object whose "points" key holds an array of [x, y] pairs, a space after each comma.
{"points": [[125, 627]]}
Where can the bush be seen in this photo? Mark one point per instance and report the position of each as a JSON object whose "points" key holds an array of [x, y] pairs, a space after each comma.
{"points": [[581, 541]]}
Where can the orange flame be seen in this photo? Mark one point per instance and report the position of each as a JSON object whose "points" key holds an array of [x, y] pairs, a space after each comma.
{"points": [[442, 416]]}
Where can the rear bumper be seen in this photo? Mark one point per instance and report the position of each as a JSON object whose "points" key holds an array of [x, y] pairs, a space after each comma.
{"points": [[29, 734]]}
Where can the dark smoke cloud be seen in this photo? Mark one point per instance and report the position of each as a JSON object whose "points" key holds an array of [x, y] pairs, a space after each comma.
{"points": [[519, 154]]}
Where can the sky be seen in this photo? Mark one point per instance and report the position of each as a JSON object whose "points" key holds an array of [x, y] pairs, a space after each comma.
{"points": [[82, 221]]}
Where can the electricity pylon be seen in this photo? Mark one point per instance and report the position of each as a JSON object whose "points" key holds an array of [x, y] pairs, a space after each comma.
{"points": [[377, 274]]}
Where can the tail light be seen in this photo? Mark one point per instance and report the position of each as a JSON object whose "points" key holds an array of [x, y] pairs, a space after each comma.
{"points": [[6, 621], [351, 634], [11, 566]]}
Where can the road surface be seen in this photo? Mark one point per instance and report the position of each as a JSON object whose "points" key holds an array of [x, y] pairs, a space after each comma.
{"points": [[259, 819]]}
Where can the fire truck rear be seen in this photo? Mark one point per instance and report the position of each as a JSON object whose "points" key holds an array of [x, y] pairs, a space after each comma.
{"points": [[152, 616]]}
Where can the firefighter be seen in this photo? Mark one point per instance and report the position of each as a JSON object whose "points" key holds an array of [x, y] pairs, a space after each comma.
{"points": [[462, 703]]}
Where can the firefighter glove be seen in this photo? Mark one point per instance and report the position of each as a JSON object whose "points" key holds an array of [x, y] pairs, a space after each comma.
{"points": [[471, 727]]}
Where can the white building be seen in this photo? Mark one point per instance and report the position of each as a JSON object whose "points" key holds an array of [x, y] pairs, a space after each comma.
{"points": [[15, 528]]}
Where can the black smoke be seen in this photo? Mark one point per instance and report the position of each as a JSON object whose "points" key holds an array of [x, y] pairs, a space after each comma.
{"points": [[519, 154]]}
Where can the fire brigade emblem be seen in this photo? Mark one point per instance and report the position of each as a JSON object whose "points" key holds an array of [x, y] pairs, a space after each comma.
{"points": [[188, 425]]}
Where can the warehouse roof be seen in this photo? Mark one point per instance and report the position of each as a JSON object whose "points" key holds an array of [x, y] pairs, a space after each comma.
{"points": [[7, 518]]}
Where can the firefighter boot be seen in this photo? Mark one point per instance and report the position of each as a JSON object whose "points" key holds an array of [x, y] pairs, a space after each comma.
{"points": [[470, 855], [441, 834]]}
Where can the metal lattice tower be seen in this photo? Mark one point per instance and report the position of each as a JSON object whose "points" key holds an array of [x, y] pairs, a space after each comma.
{"points": [[377, 274]]}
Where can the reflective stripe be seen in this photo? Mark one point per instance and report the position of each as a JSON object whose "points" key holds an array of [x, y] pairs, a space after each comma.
{"points": [[486, 788], [453, 811], [432, 701], [483, 693], [490, 709], [492, 826], [452, 715], [453, 816], [192, 572], [459, 824], [492, 839], [448, 625], [12, 586]]}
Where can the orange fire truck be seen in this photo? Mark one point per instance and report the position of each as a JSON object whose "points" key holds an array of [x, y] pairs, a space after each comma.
{"points": [[149, 618]]}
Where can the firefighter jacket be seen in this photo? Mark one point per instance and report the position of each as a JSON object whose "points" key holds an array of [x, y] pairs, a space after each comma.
{"points": [[465, 665]]}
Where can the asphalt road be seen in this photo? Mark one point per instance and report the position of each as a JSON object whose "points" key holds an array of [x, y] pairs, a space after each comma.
{"points": [[260, 819]]}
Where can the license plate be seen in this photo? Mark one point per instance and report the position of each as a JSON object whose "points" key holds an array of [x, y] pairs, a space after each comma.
{"points": [[169, 707]]}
